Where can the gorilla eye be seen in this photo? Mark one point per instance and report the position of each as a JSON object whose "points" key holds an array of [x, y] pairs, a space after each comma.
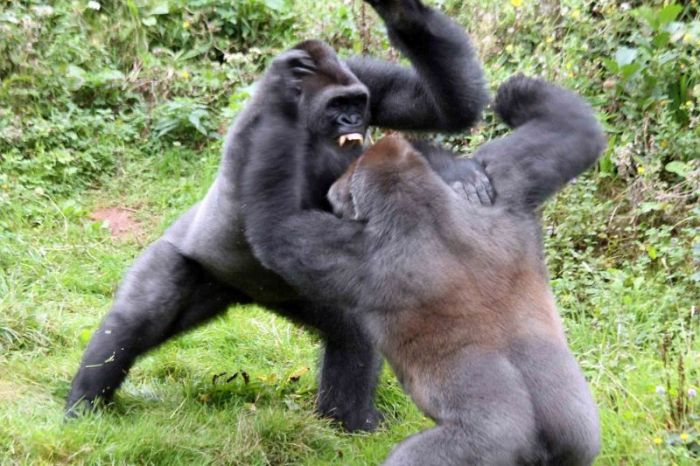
{"points": [[337, 103], [347, 102]]}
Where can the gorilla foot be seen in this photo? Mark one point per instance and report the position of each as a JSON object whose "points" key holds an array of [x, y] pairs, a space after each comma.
{"points": [[367, 419], [82, 406]]}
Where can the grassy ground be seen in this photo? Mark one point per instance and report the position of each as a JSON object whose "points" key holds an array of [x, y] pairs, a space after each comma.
{"points": [[622, 243]]}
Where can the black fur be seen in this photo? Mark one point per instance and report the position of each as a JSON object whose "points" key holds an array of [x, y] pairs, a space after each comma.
{"points": [[454, 293], [203, 263]]}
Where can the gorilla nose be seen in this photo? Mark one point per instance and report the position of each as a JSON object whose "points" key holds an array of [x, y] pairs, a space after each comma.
{"points": [[353, 119]]}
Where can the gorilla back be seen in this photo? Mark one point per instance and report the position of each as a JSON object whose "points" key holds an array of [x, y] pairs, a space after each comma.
{"points": [[203, 263]]}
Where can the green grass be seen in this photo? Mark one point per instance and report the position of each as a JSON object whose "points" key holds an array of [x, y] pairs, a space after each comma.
{"points": [[622, 244]]}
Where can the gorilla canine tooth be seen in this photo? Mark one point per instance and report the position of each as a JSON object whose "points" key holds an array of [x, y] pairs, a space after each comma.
{"points": [[356, 137]]}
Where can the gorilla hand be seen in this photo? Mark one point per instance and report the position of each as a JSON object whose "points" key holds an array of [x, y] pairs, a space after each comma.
{"points": [[398, 13], [473, 184]]}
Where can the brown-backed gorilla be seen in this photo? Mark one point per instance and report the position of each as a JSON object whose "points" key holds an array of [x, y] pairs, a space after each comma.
{"points": [[454, 293], [203, 263]]}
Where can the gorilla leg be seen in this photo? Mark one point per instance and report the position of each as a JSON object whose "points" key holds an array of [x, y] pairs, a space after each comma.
{"points": [[460, 445], [349, 368], [349, 375], [487, 418], [455, 445], [163, 294]]}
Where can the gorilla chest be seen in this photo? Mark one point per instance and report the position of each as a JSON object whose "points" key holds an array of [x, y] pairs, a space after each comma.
{"points": [[216, 240]]}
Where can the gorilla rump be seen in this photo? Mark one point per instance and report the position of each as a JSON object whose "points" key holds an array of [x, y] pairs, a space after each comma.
{"points": [[203, 263], [454, 293]]}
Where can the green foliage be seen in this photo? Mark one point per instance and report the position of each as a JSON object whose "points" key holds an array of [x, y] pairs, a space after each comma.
{"points": [[656, 67], [81, 85], [175, 118], [122, 103]]}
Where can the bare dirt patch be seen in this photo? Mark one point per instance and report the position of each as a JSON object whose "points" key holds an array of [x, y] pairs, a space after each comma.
{"points": [[120, 221]]}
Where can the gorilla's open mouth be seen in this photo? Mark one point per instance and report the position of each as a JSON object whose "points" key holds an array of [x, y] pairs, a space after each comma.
{"points": [[351, 138]]}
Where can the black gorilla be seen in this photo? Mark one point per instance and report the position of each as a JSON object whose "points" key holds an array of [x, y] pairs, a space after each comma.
{"points": [[203, 263], [455, 294]]}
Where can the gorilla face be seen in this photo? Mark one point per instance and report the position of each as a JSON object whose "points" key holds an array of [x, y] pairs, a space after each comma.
{"points": [[333, 103]]}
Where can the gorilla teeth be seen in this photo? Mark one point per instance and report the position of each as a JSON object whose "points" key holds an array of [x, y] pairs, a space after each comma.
{"points": [[352, 137]]}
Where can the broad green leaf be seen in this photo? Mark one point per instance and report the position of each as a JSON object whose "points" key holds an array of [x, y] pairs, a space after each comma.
{"points": [[150, 21], [628, 70], [646, 207], [669, 13], [195, 118], [611, 65], [651, 252], [276, 5], [625, 55], [661, 39], [161, 9], [679, 168], [647, 14]]}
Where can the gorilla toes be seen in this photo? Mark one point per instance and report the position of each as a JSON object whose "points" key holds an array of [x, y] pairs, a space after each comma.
{"points": [[520, 99], [367, 420], [76, 409]]}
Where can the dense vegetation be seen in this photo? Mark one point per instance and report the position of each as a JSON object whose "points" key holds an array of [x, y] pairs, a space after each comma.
{"points": [[115, 109]]}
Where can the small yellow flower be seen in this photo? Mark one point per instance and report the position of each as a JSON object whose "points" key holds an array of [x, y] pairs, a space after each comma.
{"points": [[576, 14], [687, 38], [186, 24], [549, 39], [516, 3], [185, 75], [658, 441], [510, 48], [570, 66], [641, 170], [684, 437]]}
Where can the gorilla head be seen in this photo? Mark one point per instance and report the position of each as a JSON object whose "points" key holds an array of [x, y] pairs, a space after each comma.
{"points": [[382, 179], [331, 102]]}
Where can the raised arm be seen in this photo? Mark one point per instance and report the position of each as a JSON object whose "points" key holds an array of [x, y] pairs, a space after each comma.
{"points": [[556, 138], [445, 89], [319, 254]]}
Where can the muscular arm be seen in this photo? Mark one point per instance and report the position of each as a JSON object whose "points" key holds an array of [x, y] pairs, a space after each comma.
{"points": [[556, 138], [444, 91], [319, 254]]}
